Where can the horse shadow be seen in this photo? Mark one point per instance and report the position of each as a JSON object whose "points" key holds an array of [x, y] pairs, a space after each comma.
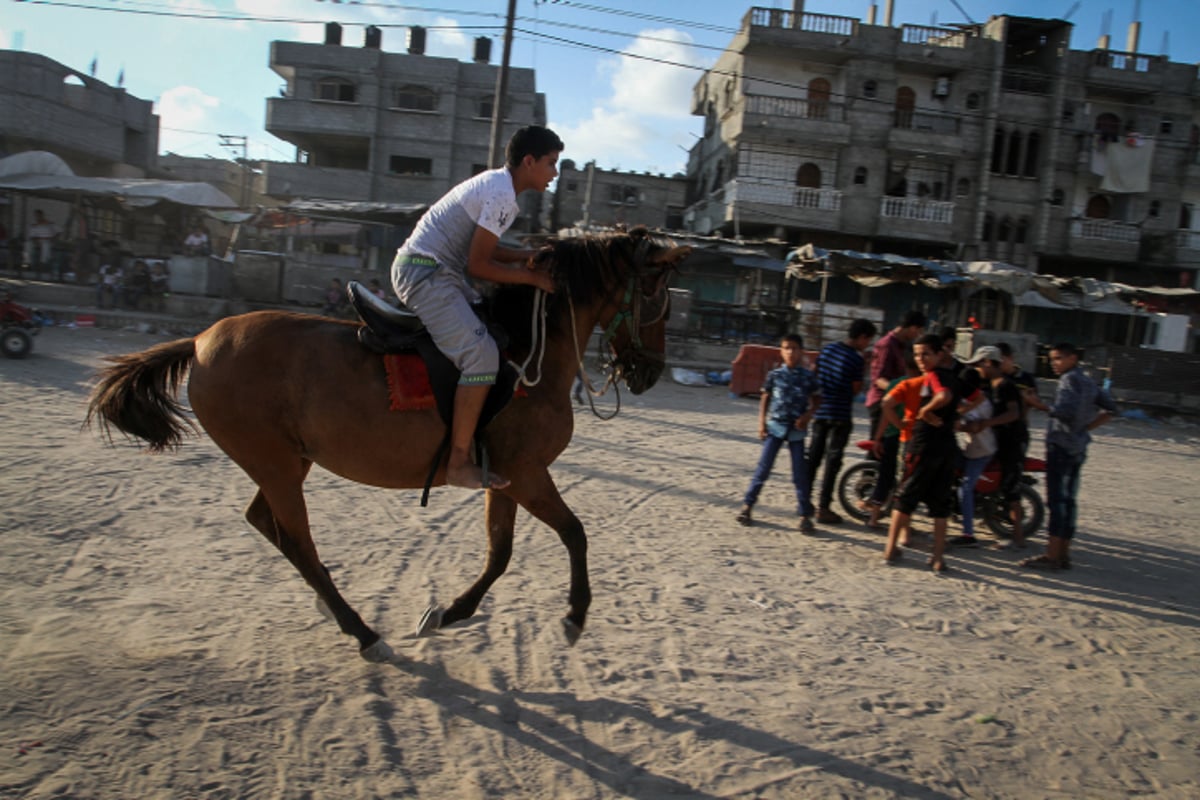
{"points": [[519, 715]]}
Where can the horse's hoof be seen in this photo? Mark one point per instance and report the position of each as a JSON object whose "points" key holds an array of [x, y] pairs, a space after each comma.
{"points": [[378, 653], [323, 607], [431, 620], [571, 631]]}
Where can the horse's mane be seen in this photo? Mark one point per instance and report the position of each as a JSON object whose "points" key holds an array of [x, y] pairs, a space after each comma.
{"points": [[586, 269]]}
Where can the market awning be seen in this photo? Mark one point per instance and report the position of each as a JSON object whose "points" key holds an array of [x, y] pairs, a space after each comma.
{"points": [[136, 192]]}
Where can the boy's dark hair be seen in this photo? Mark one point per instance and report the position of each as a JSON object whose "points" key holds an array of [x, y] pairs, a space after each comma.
{"points": [[914, 317], [1066, 348], [794, 338], [862, 327], [933, 341], [1005, 348], [949, 334], [532, 140]]}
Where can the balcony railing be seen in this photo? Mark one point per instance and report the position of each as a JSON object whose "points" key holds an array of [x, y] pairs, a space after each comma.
{"points": [[916, 208], [1105, 229], [1126, 62], [930, 121], [795, 108], [781, 194], [1187, 240], [811, 23], [934, 37]]}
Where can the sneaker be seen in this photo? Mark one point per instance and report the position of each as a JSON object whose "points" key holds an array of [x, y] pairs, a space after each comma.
{"points": [[963, 541], [743, 517], [827, 517], [806, 525]]}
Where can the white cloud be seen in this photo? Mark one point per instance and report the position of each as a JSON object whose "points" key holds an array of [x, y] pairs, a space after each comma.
{"points": [[645, 117], [184, 112]]}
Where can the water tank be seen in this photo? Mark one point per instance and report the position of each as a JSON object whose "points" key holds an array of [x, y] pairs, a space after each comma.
{"points": [[333, 33], [483, 49], [416, 40], [372, 37]]}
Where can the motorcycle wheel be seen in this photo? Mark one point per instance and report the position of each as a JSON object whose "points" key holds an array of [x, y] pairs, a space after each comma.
{"points": [[1033, 514], [855, 485], [16, 343]]}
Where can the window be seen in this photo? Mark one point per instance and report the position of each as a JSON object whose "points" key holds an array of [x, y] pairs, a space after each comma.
{"points": [[623, 195], [974, 101], [998, 140], [336, 90], [1012, 165], [1155, 208], [414, 98], [860, 176], [1165, 125], [906, 102], [483, 108], [572, 186], [1031, 155], [818, 98], [962, 187], [1108, 127], [1058, 197], [809, 176], [408, 165], [1098, 207], [870, 90], [1068, 112]]}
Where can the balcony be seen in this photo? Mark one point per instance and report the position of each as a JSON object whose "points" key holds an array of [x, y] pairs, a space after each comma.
{"points": [[287, 116], [811, 23], [287, 180], [917, 209], [926, 131], [745, 190], [767, 116], [1104, 239], [933, 37]]}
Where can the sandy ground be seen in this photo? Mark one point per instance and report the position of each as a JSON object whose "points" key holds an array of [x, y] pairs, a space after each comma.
{"points": [[154, 646]]}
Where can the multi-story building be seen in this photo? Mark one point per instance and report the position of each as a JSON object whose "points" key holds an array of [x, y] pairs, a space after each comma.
{"points": [[982, 141], [370, 125], [610, 198], [100, 131]]}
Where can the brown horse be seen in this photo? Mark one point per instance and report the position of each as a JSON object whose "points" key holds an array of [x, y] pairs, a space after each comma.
{"points": [[281, 391]]}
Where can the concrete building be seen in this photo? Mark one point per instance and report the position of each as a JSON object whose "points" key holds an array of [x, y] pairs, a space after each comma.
{"points": [[610, 198], [101, 131], [990, 141], [370, 125]]}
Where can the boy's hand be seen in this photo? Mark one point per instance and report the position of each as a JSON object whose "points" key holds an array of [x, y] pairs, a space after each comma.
{"points": [[929, 418], [762, 432]]}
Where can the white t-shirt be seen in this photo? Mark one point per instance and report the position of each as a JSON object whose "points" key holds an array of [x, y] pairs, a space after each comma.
{"points": [[445, 231], [983, 443]]}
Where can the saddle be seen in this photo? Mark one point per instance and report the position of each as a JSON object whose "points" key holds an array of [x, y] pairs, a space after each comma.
{"points": [[387, 329]]}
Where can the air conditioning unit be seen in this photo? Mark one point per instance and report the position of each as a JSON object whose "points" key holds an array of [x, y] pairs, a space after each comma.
{"points": [[941, 86]]}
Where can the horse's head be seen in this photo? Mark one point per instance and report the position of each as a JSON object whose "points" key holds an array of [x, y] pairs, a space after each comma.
{"points": [[635, 318]]}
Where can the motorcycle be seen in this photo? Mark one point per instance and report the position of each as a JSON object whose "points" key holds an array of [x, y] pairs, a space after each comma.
{"points": [[858, 482]]}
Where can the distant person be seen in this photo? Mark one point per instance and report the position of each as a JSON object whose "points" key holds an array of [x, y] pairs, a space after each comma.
{"points": [[888, 363], [39, 241], [981, 446], [789, 399], [840, 369], [1079, 407], [109, 281], [138, 285], [335, 298], [196, 243], [160, 288], [377, 290]]}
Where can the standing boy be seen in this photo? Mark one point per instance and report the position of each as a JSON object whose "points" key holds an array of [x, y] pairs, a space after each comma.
{"points": [[890, 355], [789, 398], [1079, 406], [840, 369], [458, 239], [933, 452]]}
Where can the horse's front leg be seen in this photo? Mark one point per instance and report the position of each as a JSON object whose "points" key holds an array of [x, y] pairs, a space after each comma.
{"points": [[539, 496], [501, 513]]}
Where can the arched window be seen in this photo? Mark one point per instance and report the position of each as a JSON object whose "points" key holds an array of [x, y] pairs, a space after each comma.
{"points": [[809, 176], [962, 187], [998, 139], [1022, 233], [974, 101], [906, 103], [818, 98], [414, 98], [74, 91], [1098, 207], [987, 240], [1012, 164], [1004, 234], [1155, 208], [1058, 197], [860, 176], [870, 90], [1031, 155], [336, 90], [1185, 216]]}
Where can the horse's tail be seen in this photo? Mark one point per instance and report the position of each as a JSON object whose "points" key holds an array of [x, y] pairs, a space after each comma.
{"points": [[137, 395]]}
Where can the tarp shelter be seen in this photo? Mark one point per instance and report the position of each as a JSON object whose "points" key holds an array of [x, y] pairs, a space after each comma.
{"points": [[54, 179]]}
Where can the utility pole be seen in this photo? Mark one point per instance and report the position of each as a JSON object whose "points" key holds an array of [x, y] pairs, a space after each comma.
{"points": [[495, 155], [234, 142]]}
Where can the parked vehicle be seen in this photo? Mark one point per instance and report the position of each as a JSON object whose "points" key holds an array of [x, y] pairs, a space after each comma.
{"points": [[18, 326], [858, 481]]}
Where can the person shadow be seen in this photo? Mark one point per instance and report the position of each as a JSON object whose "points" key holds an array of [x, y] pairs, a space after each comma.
{"points": [[533, 720]]}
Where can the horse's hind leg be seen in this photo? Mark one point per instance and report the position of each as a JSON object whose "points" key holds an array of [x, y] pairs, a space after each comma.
{"points": [[501, 515], [280, 514]]}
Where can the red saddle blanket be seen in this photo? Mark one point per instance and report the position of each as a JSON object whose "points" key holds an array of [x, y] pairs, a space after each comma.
{"points": [[408, 382]]}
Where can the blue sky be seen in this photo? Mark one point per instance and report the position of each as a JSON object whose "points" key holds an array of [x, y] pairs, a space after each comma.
{"points": [[210, 76]]}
